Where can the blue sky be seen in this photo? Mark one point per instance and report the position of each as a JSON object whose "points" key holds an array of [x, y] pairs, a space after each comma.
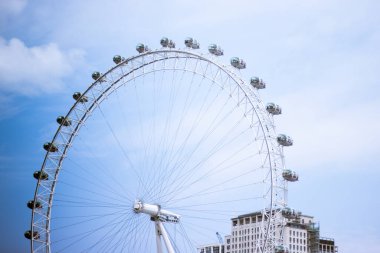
{"points": [[319, 58]]}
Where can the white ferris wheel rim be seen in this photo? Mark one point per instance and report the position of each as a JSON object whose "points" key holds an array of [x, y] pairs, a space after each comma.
{"points": [[257, 108]]}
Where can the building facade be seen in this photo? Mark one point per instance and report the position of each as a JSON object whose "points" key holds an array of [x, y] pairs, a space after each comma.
{"points": [[327, 245], [212, 248], [301, 235]]}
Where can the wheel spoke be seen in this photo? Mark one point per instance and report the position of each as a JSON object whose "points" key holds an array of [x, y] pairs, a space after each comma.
{"points": [[169, 144]]}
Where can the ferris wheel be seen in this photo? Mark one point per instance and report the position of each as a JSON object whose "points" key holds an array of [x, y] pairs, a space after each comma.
{"points": [[158, 154]]}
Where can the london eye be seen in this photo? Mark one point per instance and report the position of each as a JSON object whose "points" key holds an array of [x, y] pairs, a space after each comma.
{"points": [[159, 153]]}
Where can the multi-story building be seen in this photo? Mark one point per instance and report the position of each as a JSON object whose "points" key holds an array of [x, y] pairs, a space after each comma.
{"points": [[212, 248], [300, 235], [327, 245]]}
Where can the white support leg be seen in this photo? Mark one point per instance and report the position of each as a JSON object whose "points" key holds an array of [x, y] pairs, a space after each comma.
{"points": [[165, 236], [158, 238]]}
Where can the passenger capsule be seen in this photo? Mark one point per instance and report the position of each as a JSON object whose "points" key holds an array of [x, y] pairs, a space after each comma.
{"points": [[195, 45], [141, 48], [31, 204], [50, 147], [191, 43], [40, 175], [78, 97], [289, 175], [95, 75], [117, 59], [28, 235], [63, 121], [257, 83], [215, 50], [165, 42], [274, 109], [281, 249], [238, 63], [284, 140]]}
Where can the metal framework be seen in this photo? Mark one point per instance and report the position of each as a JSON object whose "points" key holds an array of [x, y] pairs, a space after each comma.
{"points": [[246, 97]]}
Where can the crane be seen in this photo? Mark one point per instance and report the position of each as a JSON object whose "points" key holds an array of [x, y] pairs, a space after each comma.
{"points": [[219, 238]]}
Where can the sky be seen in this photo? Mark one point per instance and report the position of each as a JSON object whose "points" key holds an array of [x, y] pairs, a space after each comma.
{"points": [[319, 59]]}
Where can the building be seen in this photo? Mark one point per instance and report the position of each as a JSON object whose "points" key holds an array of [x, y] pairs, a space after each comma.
{"points": [[327, 245], [300, 235], [211, 248]]}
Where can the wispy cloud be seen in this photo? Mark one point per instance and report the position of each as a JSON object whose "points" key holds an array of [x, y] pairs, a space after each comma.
{"points": [[7, 108], [368, 242], [12, 7], [34, 70], [328, 133]]}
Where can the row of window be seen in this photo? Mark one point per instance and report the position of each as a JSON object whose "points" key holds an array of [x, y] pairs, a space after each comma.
{"points": [[325, 247], [296, 240], [256, 230], [252, 244], [297, 247], [246, 238], [243, 245], [253, 250], [297, 233], [214, 249], [245, 251], [248, 220], [246, 231]]}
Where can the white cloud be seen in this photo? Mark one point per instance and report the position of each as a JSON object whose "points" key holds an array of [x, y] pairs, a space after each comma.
{"points": [[33, 70]]}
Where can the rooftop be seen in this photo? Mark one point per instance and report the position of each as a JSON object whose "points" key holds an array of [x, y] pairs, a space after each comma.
{"points": [[260, 213]]}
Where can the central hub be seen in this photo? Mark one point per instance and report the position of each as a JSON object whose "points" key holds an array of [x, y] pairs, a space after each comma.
{"points": [[155, 212]]}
